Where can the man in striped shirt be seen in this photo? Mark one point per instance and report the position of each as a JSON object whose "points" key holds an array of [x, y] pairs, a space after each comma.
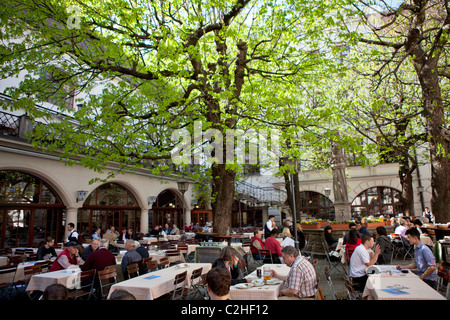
{"points": [[301, 281]]}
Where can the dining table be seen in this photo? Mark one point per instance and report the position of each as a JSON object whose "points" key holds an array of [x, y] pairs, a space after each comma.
{"points": [[69, 277], [259, 291], [155, 284], [393, 284]]}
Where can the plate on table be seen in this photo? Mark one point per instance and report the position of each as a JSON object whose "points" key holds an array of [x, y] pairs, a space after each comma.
{"points": [[244, 285], [257, 282], [273, 281]]}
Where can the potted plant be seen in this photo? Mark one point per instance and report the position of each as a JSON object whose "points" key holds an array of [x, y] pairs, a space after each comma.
{"points": [[310, 224]]}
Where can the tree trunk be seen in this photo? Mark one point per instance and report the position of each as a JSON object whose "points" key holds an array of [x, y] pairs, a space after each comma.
{"points": [[438, 142], [223, 195], [407, 195]]}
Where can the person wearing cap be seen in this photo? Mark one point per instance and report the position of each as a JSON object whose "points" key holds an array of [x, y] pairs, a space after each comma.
{"points": [[68, 257]]}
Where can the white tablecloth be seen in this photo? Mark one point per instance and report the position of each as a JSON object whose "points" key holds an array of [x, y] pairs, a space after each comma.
{"points": [[155, 284], [266, 292], [395, 285], [69, 278]]}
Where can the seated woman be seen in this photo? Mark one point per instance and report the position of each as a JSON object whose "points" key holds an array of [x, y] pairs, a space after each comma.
{"points": [[228, 259], [385, 245], [332, 243], [352, 242], [288, 239]]}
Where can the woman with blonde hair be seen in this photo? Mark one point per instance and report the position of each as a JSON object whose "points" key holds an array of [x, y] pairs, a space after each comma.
{"points": [[288, 239]]}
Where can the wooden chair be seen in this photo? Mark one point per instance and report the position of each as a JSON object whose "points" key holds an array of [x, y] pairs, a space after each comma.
{"points": [[164, 263], [28, 272], [7, 275], [87, 279], [15, 260], [352, 294], [330, 284], [152, 265], [243, 266], [107, 278], [183, 249], [133, 270], [178, 291], [333, 262], [267, 256], [195, 283], [119, 273], [19, 252]]}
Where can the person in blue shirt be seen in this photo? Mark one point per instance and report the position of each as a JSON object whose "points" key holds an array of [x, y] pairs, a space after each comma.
{"points": [[424, 260], [362, 229]]}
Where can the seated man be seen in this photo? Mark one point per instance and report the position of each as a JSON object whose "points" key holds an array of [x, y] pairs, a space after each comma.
{"points": [[274, 246], [361, 260], [100, 258], [69, 257], [424, 259], [218, 282], [130, 256], [300, 283], [46, 250], [257, 244]]}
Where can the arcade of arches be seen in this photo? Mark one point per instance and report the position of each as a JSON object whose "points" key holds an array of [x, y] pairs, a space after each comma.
{"points": [[30, 210]]}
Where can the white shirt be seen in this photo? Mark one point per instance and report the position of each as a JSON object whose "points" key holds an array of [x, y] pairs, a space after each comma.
{"points": [[269, 225], [358, 262], [401, 230]]}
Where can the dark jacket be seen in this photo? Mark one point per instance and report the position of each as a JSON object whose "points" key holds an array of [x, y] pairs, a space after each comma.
{"points": [[234, 272]]}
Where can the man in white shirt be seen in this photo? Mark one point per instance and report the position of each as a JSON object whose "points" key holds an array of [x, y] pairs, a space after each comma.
{"points": [[269, 226], [361, 260]]}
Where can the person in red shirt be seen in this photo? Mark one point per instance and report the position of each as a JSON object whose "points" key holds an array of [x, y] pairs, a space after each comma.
{"points": [[274, 246], [100, 258], [352, 242], [257, 244]]}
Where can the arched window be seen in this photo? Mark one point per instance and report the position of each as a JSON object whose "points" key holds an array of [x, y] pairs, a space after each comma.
{"points": [[30, 210], [110, 204], [168, 208], [315, 205], [377, 200]]}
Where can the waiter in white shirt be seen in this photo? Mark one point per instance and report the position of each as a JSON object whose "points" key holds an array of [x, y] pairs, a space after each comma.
{"points": [[269, 226]]}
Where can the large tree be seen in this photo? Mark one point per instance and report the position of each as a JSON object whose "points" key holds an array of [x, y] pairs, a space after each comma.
{"points": [[162, 66], [414, 33]]}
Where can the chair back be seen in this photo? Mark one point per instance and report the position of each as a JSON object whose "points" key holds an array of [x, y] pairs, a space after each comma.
{"points": [[179, 290], [152, 265], [87, 279], [29, 271], [133, 270], [267, 255], [7, 275], [107, 278], [119, 273], [164, 263]]}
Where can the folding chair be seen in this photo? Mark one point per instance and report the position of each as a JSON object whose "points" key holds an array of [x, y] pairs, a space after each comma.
{"points": [[152, 265], [333, 262], [243, 267], [87, 279], [194, 283], [119, 273], [164, 263], [178, 291], [352, 294], [107, 278], [28, 272], [408, 249], [319, 294], [183, 249], [133, 270], [7, 275], [330, 284], [267, 256]]}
